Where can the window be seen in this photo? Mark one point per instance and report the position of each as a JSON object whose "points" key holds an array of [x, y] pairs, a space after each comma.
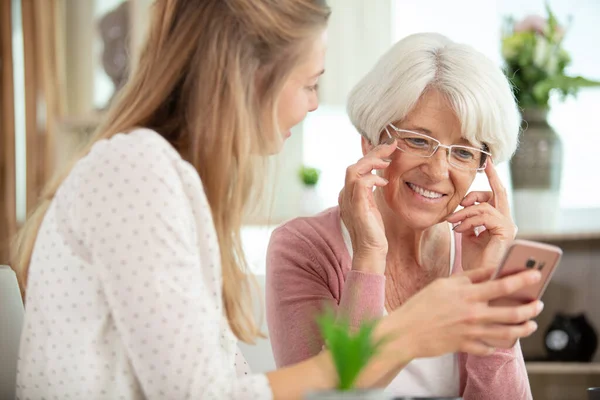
{"points": [[478, 23], [331, 143]]}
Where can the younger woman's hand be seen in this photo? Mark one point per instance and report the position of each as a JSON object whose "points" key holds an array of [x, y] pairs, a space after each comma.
{"points": [[454, 315]]}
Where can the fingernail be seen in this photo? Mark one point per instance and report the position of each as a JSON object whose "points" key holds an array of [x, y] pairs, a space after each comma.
{"points": [[535, 325], [454, 227], [388, 141], [540, 306], [387, 160], [386, 181]]}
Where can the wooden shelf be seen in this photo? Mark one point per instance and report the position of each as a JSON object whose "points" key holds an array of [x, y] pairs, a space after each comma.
{"points": [[558, 368], [572, 225], [560, 236]]}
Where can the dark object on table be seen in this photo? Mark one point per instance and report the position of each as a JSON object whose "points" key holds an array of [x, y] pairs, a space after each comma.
{"points": [[570, 338], [593, 393]]}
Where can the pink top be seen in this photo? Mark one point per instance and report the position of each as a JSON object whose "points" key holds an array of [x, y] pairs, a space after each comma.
{"points": [[309, 267]]}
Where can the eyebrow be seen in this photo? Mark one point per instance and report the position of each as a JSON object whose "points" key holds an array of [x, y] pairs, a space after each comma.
{"points": [[462, 141], [321, 72], [421, 130]]}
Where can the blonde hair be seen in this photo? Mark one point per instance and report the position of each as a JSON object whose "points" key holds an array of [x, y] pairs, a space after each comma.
{"points": [[208, 80], [475, 87]]}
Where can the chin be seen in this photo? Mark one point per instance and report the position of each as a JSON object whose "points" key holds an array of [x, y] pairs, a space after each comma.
{"points": [[418, 220]]}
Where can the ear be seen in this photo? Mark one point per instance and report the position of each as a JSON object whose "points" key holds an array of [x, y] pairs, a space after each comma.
{"points": [[366, 145]]}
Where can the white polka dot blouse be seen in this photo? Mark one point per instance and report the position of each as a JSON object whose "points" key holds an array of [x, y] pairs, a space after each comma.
{"points": [[124, 291]]}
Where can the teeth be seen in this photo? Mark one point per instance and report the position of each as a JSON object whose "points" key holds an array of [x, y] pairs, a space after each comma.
{"points": [[425, 193]]}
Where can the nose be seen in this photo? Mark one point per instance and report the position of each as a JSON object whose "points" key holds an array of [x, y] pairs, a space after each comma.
{"points": [[313, 103], [436, 167]]}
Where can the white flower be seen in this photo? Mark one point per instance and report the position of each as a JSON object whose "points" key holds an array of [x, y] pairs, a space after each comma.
{"points": [[541, 52]]}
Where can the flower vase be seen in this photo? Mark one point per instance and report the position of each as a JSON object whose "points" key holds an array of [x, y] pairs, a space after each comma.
{"points": [[536, 170]]}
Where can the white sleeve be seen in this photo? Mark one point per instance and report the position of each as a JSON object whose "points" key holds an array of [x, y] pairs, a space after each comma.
{"points": [[150, 255]]}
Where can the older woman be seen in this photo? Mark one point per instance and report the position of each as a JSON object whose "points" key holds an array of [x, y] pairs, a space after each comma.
{"points": [[450, 113]]}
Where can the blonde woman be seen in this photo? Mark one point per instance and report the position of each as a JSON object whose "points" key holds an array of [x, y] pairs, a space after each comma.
{"points": [[136, 285]]}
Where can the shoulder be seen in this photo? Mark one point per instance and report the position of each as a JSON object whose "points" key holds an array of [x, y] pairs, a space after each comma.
{"points": [[314, 242], [316, 230], [140, 148], [139, 159], [139, 169]]}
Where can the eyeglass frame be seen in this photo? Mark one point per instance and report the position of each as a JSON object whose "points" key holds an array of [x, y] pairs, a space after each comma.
{"points": [[439, 144]]}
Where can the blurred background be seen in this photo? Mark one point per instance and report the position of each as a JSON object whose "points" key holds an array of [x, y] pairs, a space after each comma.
{"points": [[61, 62]]}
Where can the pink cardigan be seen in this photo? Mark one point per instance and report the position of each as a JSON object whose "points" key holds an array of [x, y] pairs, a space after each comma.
{"points": [[308, 266]]}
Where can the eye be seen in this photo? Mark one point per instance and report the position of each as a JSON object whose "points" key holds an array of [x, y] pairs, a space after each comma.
{"points": [[313, 88], [464, 154], [417, 142]]}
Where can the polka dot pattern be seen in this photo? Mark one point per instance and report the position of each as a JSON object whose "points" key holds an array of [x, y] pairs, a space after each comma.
{"points": [[124, 291]]}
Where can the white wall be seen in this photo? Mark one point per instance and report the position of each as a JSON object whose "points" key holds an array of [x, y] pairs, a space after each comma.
{"points": [[331, 144]]}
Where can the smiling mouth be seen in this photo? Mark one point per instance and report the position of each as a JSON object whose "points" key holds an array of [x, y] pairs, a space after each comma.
{"points": [[424, 192]]}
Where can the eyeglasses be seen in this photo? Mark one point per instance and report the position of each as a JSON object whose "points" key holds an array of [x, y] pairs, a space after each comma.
{"points": [[420, 145]]}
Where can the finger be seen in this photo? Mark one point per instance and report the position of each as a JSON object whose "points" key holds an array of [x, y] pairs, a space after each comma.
{"points": [[467, 225], [384, 149], [364, 186], [512, 315], [503, 336], [500, 195], [501, 287], [364, 166], [370, 181], [477, 197], [472, 211], [477, 348]]}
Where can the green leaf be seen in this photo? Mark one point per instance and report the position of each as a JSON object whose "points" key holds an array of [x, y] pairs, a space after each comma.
{"points": [[351, 350], [552, 21], [565, 84]]}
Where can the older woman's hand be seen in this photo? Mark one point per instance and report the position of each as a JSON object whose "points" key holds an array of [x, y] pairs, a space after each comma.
{"points": [[360, 213], [453, 314], [485, 223]]}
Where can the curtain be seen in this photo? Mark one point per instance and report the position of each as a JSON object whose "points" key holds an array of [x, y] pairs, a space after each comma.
{"points": [[359, 32], [43, 49], [41, 26], [8, 223]]}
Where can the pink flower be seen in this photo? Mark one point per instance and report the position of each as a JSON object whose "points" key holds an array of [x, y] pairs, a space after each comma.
{"points": [[533, 23], [537, 24]]}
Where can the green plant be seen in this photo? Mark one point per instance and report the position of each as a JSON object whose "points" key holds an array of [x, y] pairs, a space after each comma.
{"points": [[535, 60], [351, 350], [309, 175]]}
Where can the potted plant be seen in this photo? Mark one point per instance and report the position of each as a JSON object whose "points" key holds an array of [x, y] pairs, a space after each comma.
{"points": [[311, 202], [536, 63], [351, 350]]}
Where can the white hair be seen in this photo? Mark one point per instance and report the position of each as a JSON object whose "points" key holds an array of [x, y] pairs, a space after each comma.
{"points": [[476, 88]]}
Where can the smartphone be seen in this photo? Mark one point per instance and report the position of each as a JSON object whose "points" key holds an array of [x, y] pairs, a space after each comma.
{"points": [[523, 255]]}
